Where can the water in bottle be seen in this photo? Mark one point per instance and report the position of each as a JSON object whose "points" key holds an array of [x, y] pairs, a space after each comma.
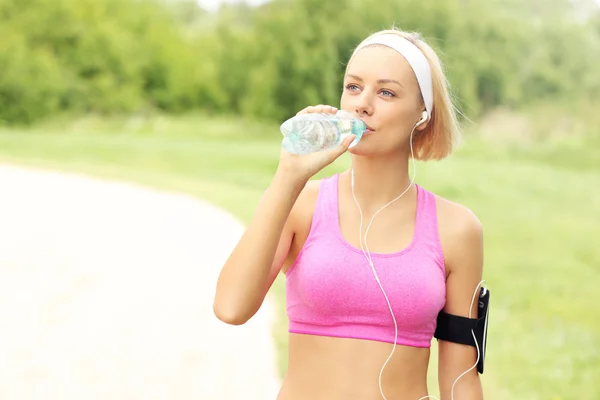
{"points": [[309, 133]]}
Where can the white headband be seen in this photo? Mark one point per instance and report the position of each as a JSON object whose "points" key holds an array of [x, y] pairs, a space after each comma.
{"points": [[415, 58]]}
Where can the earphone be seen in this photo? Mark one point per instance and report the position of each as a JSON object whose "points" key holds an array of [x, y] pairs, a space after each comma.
{"points": [[367, 255], [424, 117]]}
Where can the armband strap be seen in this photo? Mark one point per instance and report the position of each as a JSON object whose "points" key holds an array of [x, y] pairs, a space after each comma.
{"points": [[458, 329], [454, 328]]}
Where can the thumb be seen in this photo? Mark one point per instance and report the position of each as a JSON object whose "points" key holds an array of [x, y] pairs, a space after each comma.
{"points": [[345, 145], [341, 149]]}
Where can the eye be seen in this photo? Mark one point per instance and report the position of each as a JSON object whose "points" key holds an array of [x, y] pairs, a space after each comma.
{"points": [[387, 93], [352, 87]]}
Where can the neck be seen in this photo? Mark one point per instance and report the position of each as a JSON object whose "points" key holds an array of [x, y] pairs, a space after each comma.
{"points": [[380, 180]]}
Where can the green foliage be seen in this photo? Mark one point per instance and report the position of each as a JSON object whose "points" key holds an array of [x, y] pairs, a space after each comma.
{"points": [[31, 82], [535, 201], [92, 56], [300, 49], [124, 56]]}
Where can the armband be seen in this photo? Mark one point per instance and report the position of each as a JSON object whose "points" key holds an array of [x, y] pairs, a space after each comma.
{"points": [[457, 329]]}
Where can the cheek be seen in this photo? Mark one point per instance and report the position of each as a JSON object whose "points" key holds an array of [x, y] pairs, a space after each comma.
{"points": [[346, 102], [399, 118], [393, 119]]}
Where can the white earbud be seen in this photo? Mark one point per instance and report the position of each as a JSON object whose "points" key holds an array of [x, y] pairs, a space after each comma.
{"points": [[424, 117]]}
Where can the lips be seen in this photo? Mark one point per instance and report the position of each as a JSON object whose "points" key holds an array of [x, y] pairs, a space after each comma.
{"points": [[369, 128]]}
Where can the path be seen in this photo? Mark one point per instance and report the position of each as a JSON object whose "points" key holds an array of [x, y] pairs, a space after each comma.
{"points": [[106, 293]]}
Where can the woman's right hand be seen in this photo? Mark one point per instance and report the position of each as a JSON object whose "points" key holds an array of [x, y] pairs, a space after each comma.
{"points": [[304, 167]]}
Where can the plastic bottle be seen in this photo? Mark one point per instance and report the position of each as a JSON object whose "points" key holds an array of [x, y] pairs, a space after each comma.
{"points": [[309, 133]]}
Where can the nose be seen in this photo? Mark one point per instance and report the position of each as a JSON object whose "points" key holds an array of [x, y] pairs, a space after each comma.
{"points": [[364, 105]]}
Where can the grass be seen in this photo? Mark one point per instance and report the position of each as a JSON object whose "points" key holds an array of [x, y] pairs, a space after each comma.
{"points": [[537, 203]]}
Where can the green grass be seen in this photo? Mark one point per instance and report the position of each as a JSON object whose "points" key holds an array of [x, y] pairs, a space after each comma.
{"points": [[538, 204]]}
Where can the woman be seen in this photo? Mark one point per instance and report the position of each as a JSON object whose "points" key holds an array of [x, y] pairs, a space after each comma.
{"points": [[422, 256]]}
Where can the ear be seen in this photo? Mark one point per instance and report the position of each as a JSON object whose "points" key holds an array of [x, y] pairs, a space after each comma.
{"points": [[423, 122]]}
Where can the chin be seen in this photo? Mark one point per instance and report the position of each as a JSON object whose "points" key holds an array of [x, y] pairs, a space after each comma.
{"points": [[372, 148], [365, 146], [361, 149]]}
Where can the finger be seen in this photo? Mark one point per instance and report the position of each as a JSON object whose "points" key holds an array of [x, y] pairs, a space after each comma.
{"points": [[347, 142], [310, 110], [318, 109], [325, 109]]}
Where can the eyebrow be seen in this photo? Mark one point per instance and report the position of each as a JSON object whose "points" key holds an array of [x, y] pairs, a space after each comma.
{"points": [[358, 78]]}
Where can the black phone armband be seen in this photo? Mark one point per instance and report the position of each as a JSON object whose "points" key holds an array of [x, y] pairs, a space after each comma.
{"points": [[457, 329]]}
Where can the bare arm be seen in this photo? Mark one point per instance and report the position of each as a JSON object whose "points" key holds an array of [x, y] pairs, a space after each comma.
{"points": [[255, 262], [465, 265]]}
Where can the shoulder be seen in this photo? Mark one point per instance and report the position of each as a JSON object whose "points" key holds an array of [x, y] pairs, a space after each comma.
{"points": [[300, 219], [304, 207], [461, 234], [309, 194], [311, 189], [457, 219]]}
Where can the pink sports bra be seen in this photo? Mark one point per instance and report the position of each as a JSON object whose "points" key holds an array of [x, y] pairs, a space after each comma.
{"points": [[331, 290]]}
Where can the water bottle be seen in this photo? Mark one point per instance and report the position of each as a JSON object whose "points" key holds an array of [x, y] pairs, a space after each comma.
{"points": [[309, 133]]}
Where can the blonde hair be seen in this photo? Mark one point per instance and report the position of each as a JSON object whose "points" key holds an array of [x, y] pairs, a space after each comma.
{"points": [[442, 134]]}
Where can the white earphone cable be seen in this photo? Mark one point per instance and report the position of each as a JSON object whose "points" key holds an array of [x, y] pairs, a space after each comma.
{"points": [[367, 255], [369, 259]]}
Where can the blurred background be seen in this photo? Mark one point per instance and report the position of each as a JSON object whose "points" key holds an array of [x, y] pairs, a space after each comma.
{"points": [[188, 96]]}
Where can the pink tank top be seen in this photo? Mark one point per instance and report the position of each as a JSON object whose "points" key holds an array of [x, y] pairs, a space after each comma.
{"points": [[331, 289]]}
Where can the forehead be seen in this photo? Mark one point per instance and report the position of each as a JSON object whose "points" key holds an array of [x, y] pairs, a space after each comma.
{"points": [[380, 62]]}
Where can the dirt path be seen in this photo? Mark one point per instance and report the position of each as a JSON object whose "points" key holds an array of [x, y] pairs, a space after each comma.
{"points": [[106, 293]]}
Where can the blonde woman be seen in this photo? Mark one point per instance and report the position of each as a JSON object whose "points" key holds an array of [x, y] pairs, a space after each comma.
{"points": [[358, 245]]}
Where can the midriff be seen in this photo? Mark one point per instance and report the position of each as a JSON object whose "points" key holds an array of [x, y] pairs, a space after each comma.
{"points": [[328, 368]]}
